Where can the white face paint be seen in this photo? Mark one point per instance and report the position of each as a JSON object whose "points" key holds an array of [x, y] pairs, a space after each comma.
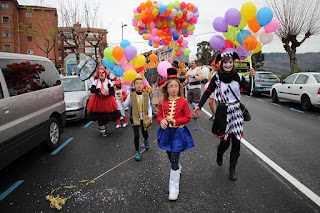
{"points": [[228, 65]]}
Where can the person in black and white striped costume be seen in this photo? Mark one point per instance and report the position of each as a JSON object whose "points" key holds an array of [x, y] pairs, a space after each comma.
{"points": [[221, 84]]}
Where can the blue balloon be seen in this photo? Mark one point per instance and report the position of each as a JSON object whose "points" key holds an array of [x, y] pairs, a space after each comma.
{"points": [[125, 43], [175, 36], [118, 71], [163, 8], [150, 43], [108, 64], [185, 31], [264, 16], [241, 35], [144, 30]]}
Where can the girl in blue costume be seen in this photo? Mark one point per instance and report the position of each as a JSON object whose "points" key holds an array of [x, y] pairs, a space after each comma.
{"points": [[173, 135]]}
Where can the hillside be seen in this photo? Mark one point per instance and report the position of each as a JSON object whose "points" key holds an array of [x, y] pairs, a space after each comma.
{"points": [[279, 63]]}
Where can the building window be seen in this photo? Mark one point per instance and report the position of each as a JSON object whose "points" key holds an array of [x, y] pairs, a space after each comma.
{"points": [[29, 38], [4, 5], [6, 33], [60, 58], [28, 14], [5, 19], [30, 52], [7, 48]]}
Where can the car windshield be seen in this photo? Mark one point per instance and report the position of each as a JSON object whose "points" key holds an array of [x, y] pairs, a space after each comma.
{"points": [[72, 84], [317, 76], [267, 76]]}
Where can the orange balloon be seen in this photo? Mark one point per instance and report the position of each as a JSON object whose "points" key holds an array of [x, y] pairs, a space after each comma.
{"points": [[163, 37], [148, 4], [118, 52], [153, 57], [148, 13], [190, 7], [142, 14], [143, 5], [254, 25], [184, 25], [167, 12], [250, 42], [155, 45], [159, 33]]}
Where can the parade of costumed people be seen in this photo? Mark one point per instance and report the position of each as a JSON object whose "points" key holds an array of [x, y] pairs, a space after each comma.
{"points": [[102, 105], [173, 136], [228, 123]]}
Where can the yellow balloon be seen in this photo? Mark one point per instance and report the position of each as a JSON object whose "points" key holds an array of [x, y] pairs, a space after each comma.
{"points": [[144, 36], [236, 43], [170, 45], [258, 47], [248, 11], [139, 61], [242, 24], [130, 75]]}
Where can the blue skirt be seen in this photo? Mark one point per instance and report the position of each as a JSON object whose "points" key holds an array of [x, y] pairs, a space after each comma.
{"points": [[175, 139]]}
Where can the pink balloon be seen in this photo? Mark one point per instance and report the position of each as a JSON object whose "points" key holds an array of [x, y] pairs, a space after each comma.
{"points": [[169, 60], [156, 39], [149, 37], [123, 61], [152, 25], [272, 26], [184, 43], [135, 10], [129, 66], [154, 31], [190, 32], [135, 24], [127, 83], [162, 68], [134, 20]]}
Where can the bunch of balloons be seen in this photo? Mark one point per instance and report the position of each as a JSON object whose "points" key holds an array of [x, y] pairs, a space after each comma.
{"points": [[244, 31], [166, 25], [124, 61]]}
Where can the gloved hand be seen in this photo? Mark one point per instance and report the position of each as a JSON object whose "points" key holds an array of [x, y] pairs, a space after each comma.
{"points": [[94, 89]]}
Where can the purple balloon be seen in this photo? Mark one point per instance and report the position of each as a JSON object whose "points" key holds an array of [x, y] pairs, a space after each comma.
{"points": [[169, 18], [242, 52], [140, 32], [229, 50], [217, 42], [161, 42], [172, 31], [130, 52], [195, 9], [220, 25], [233, 17]]}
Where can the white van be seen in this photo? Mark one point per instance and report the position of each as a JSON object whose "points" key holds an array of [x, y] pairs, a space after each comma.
{"points": [[32, 107]]}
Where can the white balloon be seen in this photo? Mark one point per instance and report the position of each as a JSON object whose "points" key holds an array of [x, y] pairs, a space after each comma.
{"points": [[189, 15], [266, 38], [174, 12], [159, 3], [205, 71], [253, 33]]}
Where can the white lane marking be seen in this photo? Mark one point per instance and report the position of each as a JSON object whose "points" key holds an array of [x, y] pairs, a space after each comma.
{"points": [[305, 190]]}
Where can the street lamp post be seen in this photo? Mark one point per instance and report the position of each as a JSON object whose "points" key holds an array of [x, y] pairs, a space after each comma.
{"points": [[122, 25]]}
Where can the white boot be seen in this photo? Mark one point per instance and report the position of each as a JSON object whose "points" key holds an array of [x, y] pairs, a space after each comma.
{"points": [[174, 184]]}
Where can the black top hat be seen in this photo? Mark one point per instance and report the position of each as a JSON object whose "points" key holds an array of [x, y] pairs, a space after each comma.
{"points": [[175, 63], [233, 55], [171, 73]]}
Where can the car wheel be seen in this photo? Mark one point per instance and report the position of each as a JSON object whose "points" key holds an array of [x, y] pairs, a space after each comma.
{"points": [[274, 95], [305, 102], [53, 133]]}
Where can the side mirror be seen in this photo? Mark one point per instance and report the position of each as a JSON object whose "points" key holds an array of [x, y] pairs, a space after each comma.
{"points": [[281, 81]]}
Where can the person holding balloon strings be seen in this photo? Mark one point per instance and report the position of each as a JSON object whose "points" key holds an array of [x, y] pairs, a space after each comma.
{"points": [[140, 114], [228, 123], [195, 77], [102, 105]]}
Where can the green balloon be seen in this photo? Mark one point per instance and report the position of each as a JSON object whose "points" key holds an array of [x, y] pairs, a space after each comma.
{"points": [[231, 34], [171, 5], [179, 14], [137, 16], [176, 47], [242, 24], [191, 28], [171, 24], [186, 51], [108, 54], [177, 4], [154, 6]]}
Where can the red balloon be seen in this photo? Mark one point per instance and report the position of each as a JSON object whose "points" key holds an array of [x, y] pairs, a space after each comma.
{"points": [[140, 69], [228, 44], [180, 39], [139, 9]]}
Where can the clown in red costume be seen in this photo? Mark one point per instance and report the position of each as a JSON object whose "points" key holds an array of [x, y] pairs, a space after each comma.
{"points": [[102, 105]]}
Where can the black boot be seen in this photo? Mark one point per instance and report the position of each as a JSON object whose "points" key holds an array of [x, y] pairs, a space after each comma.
{"points": [[220, 150], [232, 168]]}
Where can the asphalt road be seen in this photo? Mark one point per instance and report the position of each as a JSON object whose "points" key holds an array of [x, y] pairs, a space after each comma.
{"points": [[287, 137]]}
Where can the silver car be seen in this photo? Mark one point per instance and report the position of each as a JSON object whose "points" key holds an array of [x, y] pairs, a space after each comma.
{"points": [[263, 81], [32, 108], [76, 97]]}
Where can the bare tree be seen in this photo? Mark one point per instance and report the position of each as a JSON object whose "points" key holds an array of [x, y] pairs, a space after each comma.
{"points": [[71, 18], [297, 18], [92, 21], [43, 29]]}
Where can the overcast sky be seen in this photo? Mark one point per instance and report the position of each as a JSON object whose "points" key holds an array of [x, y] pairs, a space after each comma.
{"points": [[114, 12]]}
